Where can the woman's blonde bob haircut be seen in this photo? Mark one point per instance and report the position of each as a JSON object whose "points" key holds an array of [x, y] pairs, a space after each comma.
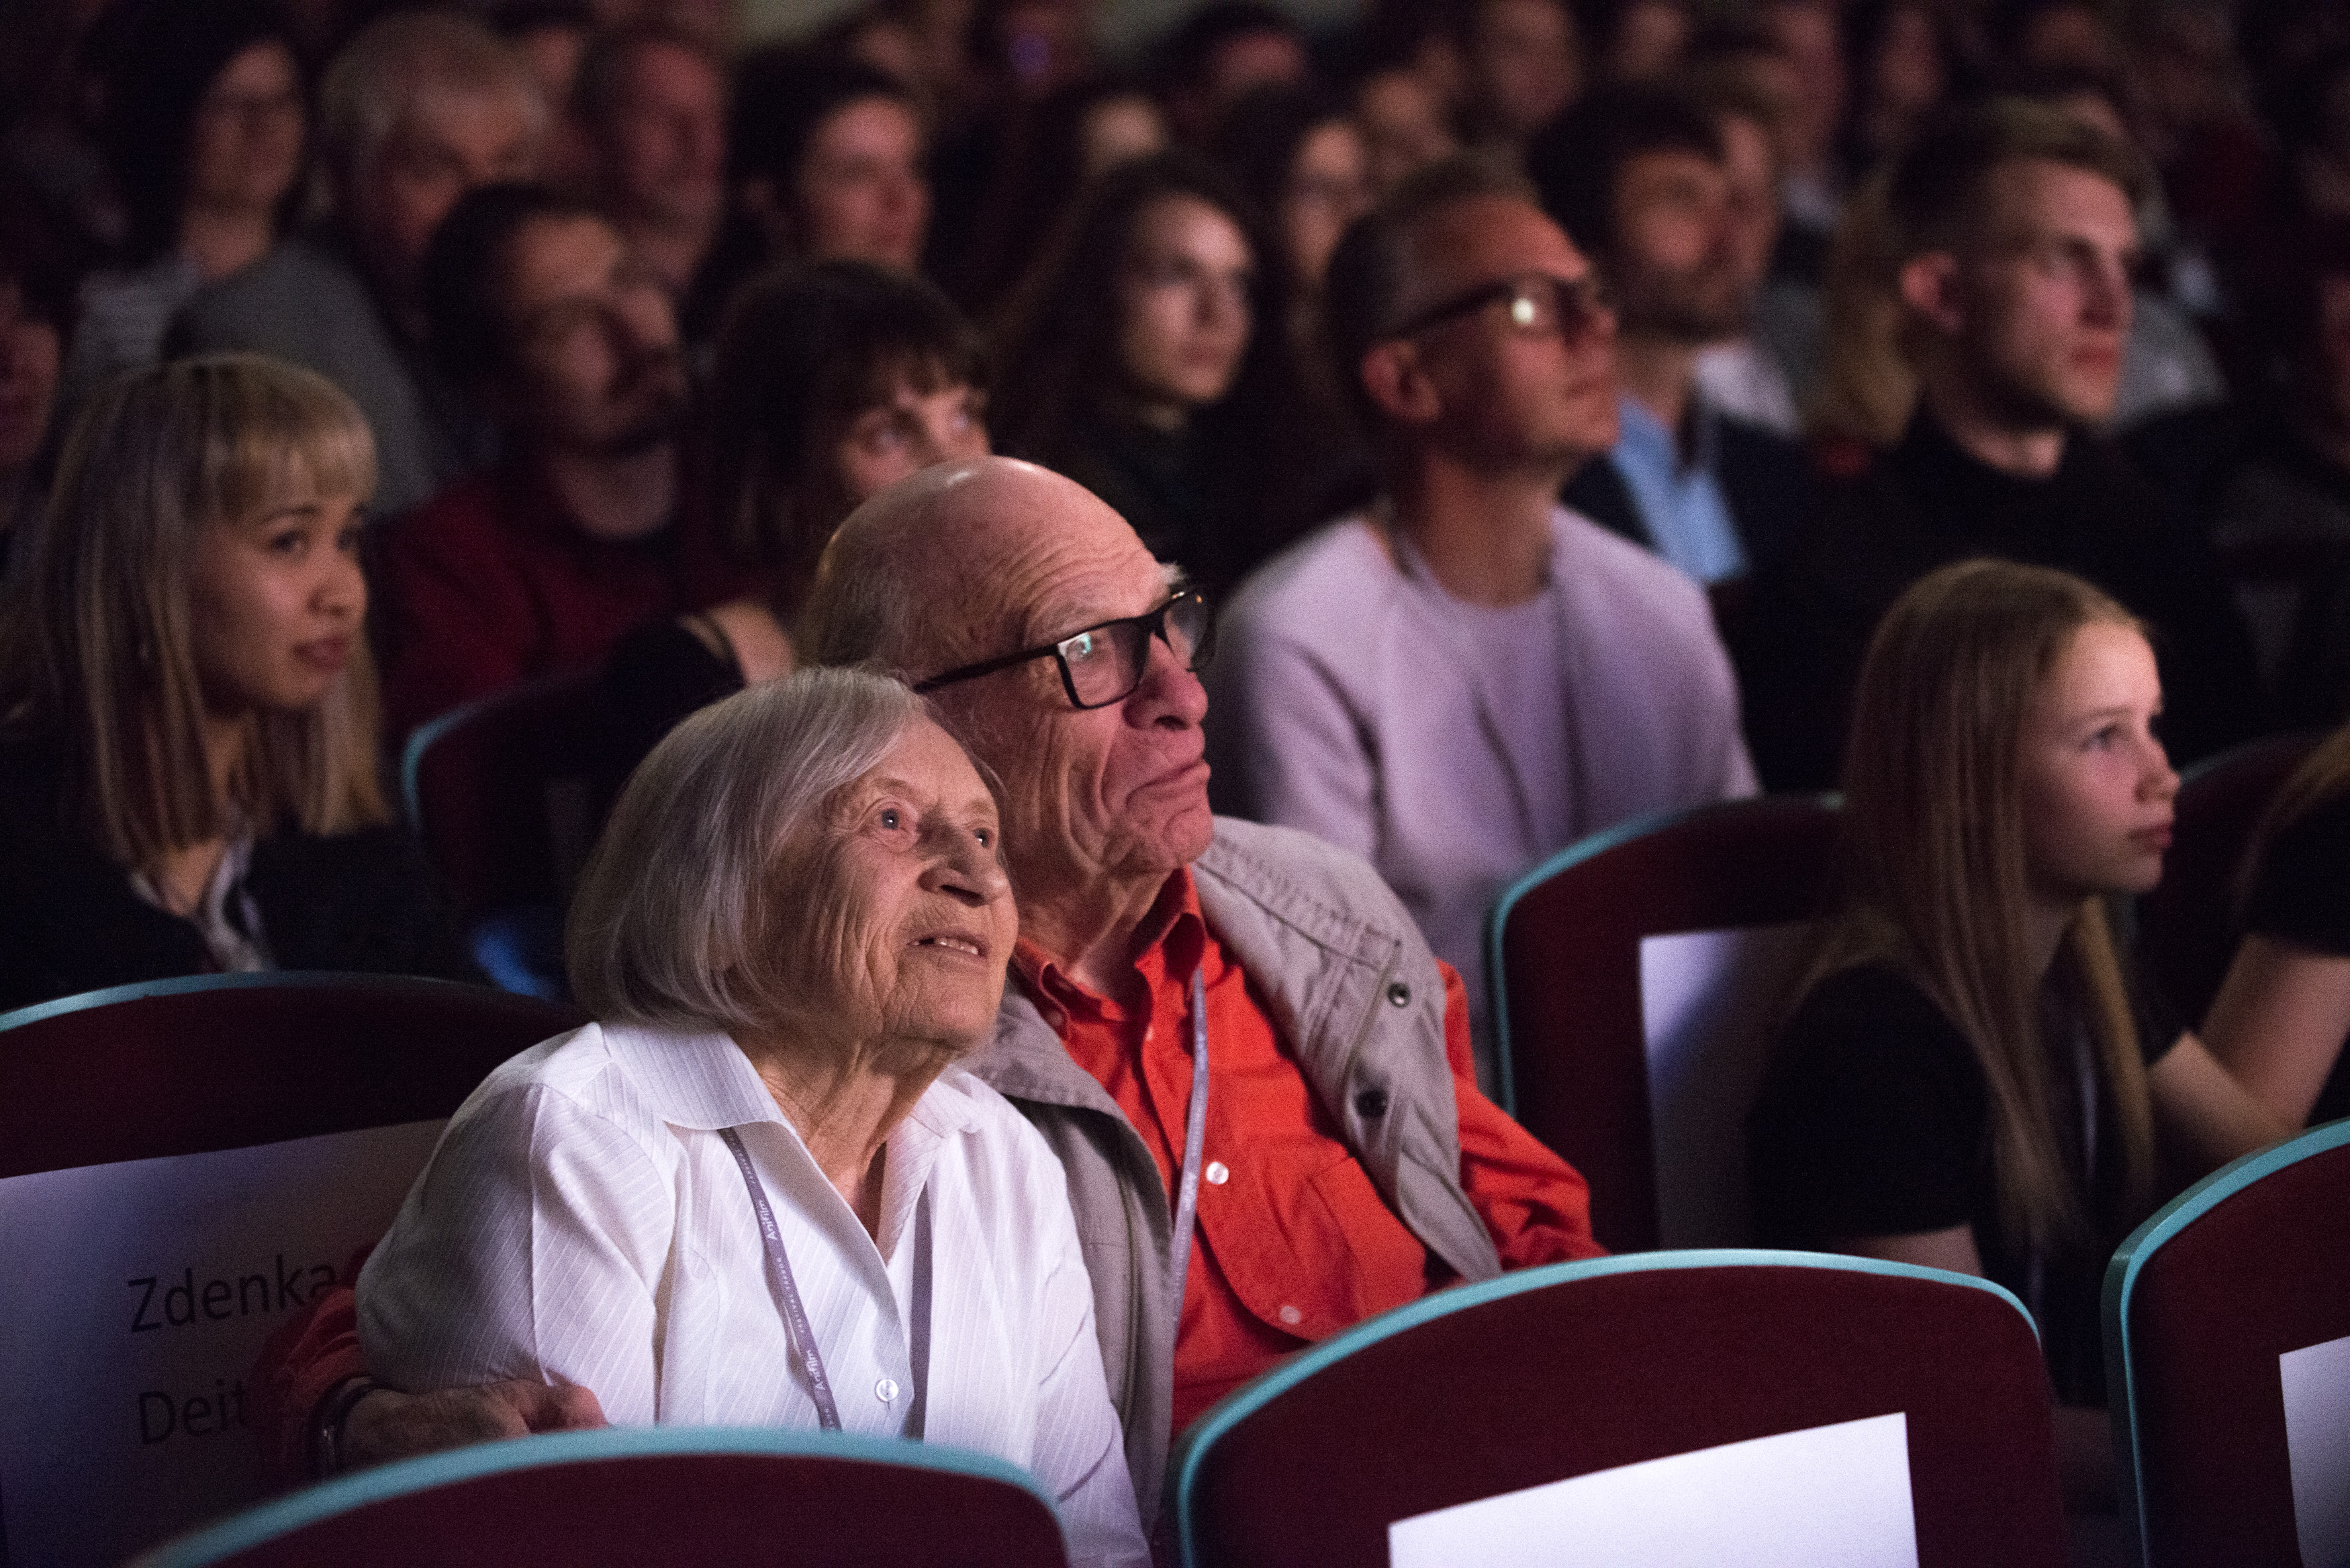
{"points": [[678, 920], [95, 644], [1935, 868]]}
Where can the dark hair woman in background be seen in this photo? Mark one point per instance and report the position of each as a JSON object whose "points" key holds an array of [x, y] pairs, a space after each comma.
{"points": [[832, 381], [204, 124], [1143, 358]]}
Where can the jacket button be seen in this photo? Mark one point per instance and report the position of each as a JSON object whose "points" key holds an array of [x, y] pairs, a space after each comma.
{"points": [[1399, 994], [1371, 1103]]}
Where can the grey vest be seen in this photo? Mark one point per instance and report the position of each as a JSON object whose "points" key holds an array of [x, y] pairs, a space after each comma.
{"points": [[1354, 992]]}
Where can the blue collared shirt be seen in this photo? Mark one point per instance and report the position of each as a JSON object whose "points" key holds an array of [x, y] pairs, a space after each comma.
{"points": [[1681, 505]]}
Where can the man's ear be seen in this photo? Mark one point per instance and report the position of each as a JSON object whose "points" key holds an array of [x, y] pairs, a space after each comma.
{"points": [[1397, 383], [1928, 285]]}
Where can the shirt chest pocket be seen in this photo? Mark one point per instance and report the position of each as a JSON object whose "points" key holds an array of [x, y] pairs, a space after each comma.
{"points": [[1310, 1251]]}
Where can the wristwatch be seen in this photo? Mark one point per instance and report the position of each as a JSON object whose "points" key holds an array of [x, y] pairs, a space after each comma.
{"points": [[327, 1457]]}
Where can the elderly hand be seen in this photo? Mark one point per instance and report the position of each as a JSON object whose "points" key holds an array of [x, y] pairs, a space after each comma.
{"points": [[387, 1425]]}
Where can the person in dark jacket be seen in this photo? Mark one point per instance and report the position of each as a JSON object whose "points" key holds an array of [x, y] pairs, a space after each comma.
{"points": [[188, 737], [1638, 177], [2013, 238]]}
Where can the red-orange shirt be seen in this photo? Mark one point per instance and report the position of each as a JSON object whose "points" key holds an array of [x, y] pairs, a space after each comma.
{"points": [[1294, 1242]]}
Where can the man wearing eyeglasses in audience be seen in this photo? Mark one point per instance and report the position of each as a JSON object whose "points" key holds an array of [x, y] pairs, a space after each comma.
{"points": [[1466, 676], [1334, 1160]]}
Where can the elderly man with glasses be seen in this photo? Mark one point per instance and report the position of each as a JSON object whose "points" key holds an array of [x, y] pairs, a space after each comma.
{"points": [[1466, 676], [1257, 1076]]}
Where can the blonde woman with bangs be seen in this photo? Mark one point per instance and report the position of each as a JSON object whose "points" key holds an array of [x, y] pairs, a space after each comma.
{"points": [[1971, 1078], [188, 741]]}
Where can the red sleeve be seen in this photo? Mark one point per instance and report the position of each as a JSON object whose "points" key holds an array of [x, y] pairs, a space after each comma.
{"points": [[1533, 1203], [310, 1356], [462, 622]]}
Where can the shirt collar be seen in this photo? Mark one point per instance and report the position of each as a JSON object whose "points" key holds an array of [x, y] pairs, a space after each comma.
{"points": [[705, 1082], [1174, 923]]}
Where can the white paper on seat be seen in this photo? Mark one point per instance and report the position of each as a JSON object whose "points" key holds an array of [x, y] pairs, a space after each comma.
{"points": [[1710, 1002], [1828, 1497], [134, 1299], [2317, 1436]]}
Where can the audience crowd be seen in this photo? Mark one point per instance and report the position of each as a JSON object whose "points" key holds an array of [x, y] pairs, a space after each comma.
{"points": [[1434, 439]]}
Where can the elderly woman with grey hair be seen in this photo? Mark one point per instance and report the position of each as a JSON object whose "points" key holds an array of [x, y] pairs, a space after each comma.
{"points": [[759, 1192]]}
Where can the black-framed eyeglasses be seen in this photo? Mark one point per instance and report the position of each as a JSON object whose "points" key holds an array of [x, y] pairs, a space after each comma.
{"points": [[1539, 305], [1103, 664]]}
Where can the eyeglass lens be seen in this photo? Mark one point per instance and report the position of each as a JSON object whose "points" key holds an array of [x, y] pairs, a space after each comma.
{"points": [[1106, 662], [1549, 304]]}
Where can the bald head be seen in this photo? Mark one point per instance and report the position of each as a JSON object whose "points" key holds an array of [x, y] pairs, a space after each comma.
{"points": [[959, 562], [968, 562]]}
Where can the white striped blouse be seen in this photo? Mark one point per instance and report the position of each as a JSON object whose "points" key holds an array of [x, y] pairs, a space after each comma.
{"points": [[583, 1223]]}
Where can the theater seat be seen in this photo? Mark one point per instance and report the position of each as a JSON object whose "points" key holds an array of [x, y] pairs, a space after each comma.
{"points": [[2204, 1304], [1578, 1368], [501, 791], [713, 1497], [184, 1166], [1564, 952]]}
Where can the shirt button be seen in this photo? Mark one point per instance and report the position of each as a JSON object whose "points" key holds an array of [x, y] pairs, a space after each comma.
{"points": [[1216, 1173], [1291, 1316], [886, 1390], [1399, 995]]}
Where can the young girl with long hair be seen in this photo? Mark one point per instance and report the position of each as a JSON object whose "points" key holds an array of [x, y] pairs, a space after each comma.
{"points": [[188, 741], [1971, 1079]]}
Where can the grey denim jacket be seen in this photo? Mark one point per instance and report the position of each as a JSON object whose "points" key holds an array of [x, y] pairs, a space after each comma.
{"points": [[1355, 993]]}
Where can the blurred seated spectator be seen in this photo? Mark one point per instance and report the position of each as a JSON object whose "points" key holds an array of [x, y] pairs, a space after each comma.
{"points": [[786, 960], [1144, 358], [824, 162], [1405, 124], [1466, 676], [1635, 176], [2012, 238], [1300, 157], [204, 126], [1058, 146], [1522, 62], [1642, 41], [37, 290], [1971, 1078], [2269, 477], [189, 755], [2283, 1015], [538, 309], [833, 381], [648, 106], [1219, 53], [1865, 394], [551, 36], [2165, 364], [1806, 39], [2041, 35], [1903, 61], [419, 109], [1763, 375]]}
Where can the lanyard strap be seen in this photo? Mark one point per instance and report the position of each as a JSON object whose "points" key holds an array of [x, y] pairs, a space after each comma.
{"points": [[1195, 1133], [795, 1317]]}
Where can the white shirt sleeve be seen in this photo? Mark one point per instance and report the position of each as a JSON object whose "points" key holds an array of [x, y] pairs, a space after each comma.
{"points": [[533, 1247]]}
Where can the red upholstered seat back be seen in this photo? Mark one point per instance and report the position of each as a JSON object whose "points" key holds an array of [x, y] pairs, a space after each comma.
{"points": [[1615, 1365], [714, 1510], [499, 793], [187, 1066], [2264, 1272], [1568, 983], [2188, 923]]}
